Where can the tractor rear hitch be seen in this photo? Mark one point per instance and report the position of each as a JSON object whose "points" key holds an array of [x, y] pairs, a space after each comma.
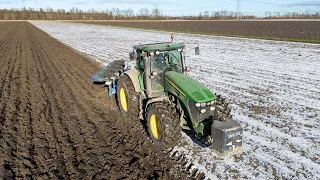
{"points": [[112, 87]]}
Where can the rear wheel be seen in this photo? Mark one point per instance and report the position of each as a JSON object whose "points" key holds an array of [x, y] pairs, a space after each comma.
{"points": [[127, 98], [163, 124]]}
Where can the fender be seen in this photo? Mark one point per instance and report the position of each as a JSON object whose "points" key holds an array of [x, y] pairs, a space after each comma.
{"points": [[133, 75]]}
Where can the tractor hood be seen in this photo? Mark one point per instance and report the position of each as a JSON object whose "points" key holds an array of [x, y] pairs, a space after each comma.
{"points": [[188, 87]]}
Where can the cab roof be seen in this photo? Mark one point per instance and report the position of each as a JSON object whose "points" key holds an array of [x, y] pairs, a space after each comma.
{"points": [[159, 46]]}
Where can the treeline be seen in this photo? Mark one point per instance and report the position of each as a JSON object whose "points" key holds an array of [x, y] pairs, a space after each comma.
{"points": [[112, 14], [292, 15], [216, 15], [129, 14], [62, 14]]}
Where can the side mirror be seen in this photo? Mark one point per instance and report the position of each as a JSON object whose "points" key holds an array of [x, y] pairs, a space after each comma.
{"points": [[197, 50], [132, 56]]}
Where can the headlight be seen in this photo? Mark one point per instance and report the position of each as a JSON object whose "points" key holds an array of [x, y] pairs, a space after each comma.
{"points": [[197, 104], [212, 102], [212, 108], [203, 110], [203, 104]]}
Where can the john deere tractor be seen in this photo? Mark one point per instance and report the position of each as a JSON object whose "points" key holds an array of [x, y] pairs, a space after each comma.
{"points": [[157, 90]]}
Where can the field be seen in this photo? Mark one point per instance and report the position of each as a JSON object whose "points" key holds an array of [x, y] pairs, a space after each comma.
{"points": [[273, 87], [287, 30], [55, 124]]}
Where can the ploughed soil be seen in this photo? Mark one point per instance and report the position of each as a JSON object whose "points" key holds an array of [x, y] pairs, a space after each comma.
{"points": [[302, 30], [56, 124]]}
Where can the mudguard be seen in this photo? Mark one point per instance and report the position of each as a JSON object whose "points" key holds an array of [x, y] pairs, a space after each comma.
{"points": [[134, 76]]}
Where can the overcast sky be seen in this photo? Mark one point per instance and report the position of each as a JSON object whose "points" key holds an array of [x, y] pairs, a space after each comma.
{"points": [[174, 7]]}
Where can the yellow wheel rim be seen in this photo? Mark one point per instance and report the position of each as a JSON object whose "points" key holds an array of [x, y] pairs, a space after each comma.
{"points": [[155, 126], [123, 99]]}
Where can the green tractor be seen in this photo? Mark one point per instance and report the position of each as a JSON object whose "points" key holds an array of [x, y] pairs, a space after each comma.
{"points": [[157, 91]]}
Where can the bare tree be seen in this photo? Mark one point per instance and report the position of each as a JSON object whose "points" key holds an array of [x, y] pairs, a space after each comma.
{"points": [[144, 13], [206, 14], [156, 13]]}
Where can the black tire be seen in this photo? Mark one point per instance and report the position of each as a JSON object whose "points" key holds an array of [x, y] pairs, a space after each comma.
{"points": [[222, 109], [169, 122], [132, 98]]}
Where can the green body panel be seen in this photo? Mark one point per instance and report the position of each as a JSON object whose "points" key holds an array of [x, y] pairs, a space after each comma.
{"points": [[189, 88], [160, 46], [141, 82], [186, 90]]}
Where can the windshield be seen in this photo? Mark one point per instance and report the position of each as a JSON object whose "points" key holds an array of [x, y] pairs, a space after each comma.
{"points": [[165, 60]]}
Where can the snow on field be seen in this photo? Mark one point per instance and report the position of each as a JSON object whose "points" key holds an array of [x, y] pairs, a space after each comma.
{"points": [[274, 88]]}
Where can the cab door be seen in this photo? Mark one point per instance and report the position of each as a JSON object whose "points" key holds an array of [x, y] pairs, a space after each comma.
{"points": [[159, 64]]}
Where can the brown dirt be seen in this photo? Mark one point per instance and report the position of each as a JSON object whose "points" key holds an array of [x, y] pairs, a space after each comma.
{"points": [[55, 124], [303, 30]]}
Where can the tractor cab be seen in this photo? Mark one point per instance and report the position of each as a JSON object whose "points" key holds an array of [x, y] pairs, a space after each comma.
{"points": [[163, 56], [154, 60]]}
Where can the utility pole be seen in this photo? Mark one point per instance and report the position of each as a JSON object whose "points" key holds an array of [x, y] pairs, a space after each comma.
{"points": [[238, 9], [156, 12]]}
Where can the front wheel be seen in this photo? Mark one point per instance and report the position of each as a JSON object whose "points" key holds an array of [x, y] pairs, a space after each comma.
{"points": [[163, 124], [222, 109]]}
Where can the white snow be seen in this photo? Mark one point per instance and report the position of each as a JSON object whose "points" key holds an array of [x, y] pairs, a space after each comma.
{"points": [[274, 88]]}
